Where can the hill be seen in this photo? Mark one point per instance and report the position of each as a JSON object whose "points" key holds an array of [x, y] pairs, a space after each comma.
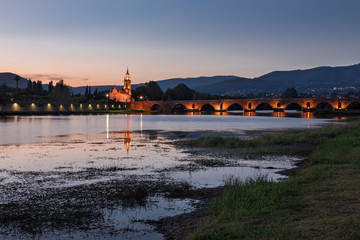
{"points": [[9, 80], [195, 82], [315, 80]]}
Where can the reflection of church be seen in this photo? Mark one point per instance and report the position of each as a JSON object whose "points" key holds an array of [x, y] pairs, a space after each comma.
{"points": [[127, 140], [122, 95]]}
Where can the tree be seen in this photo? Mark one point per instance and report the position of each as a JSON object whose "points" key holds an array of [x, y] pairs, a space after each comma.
{"points": [[86, 94], [50, 87], [96, 94], [169, 94], [140, 93], [39, 88], [61, 93], [17, 79], [289, 93], [29, 85], [153, 91], [183, 92]]}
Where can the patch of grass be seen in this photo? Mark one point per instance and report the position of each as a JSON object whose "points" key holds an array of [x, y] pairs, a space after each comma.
{"points": [[299, 142], [321, 201]]}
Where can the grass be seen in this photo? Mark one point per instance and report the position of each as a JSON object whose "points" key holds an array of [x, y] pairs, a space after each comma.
{"points": [[321, 201]]}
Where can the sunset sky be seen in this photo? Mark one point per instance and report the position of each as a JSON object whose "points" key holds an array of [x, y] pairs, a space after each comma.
{"points": [[94, 41]]}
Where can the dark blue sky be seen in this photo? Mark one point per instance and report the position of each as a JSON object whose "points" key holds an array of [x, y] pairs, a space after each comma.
{"points": [[92, 42]]}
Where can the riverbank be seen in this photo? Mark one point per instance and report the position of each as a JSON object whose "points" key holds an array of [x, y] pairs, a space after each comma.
{"points": [[321, 200], [327, 113], [27, 113]]}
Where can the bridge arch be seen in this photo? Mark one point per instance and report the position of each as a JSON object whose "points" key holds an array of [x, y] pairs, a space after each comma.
{"points": [[235, 107], [207, 108], [155, 107], [264, 106], [353, 105], [178, 108], [293, 106], [324, 105]]}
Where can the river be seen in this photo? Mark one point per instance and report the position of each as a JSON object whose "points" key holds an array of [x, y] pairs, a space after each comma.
{"points": [[51, 162]]}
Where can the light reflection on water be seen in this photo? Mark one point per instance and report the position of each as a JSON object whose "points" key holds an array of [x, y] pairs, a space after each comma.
{"points": [[28, 129], [119, 146]]}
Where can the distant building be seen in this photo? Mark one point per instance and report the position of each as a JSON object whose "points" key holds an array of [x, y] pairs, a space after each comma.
{"points": [[122, 95]]}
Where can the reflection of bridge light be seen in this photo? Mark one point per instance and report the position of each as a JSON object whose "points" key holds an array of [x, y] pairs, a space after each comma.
{"points": [[107, 126], [141, 124]]}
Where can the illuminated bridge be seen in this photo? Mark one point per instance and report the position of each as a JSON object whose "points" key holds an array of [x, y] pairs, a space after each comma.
{"points": [[306, 104]]}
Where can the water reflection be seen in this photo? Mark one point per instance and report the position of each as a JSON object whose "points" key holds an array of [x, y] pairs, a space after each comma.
{"points": [[107, 126], [127, 140], [27, 129], [58, 152]]}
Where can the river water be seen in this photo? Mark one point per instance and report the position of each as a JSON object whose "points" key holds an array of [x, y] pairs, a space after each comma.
{"points": [[50, 156]]}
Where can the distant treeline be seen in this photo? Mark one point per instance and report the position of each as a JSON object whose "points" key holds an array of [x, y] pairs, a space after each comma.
{"points": [[58, 93], [151, 91]]}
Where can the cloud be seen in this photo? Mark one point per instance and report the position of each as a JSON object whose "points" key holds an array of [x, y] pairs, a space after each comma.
{"points": [[85, 79], [46, 77]]}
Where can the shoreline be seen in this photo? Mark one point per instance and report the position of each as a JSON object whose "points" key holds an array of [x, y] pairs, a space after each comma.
{"points": [[262, 209], [319, 200], [179, 226], [57, 113]]}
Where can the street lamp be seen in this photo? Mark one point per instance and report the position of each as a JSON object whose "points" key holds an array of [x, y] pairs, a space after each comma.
{"points": [[107, 99]]}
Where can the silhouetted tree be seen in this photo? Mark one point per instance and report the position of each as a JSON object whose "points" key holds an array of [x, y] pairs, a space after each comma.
{"points": [[183, 92], [50, 87], [289, 93], [153, 91], [61, 93], [140, 93], [89, 94], [38, 88], [96, 94], [17, 79], [86, 94], [29, 85], [169, 94]]}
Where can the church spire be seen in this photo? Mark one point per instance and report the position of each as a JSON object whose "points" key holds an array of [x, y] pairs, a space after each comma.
{"points": [[127, 82]]}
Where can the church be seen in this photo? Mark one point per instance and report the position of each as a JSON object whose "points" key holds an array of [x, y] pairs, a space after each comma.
{"points": [[122, 95]]}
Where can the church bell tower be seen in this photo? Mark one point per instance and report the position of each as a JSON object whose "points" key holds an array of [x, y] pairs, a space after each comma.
{"points": [[127, 82]]}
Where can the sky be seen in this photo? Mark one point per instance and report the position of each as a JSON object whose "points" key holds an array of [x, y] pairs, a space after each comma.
{"points": [[92, 42]]}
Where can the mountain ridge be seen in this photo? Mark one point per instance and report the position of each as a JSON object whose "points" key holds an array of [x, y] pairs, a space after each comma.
{"points": [[313, 80]]}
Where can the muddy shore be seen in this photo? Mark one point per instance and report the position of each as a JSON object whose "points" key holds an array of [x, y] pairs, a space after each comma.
{"points": [[179, 226]]}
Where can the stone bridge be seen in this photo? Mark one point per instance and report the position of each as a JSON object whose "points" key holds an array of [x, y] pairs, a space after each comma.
{"points": [[306, 104]]}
